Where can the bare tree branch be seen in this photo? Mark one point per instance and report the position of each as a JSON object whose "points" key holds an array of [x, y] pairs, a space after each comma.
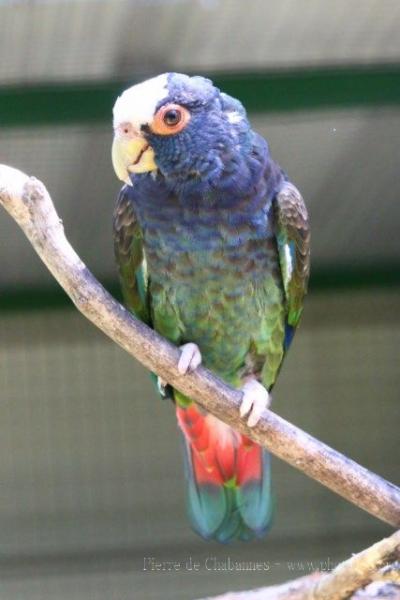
{"points": [[299, 590], [356, 572], [378, 591], [29, 203], [390, 573], [344, 582], [292, 590]]}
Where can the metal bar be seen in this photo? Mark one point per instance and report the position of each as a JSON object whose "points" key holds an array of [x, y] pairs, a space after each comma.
{"points": [[66, 103], [323, 279]]}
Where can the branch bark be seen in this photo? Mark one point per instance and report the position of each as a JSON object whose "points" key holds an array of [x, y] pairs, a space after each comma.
{"points": [[344, 582], [29, 203], [299, 589], [356, 572]]}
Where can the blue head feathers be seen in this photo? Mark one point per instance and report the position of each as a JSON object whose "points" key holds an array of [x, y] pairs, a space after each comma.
{"points": [[187, 130]]}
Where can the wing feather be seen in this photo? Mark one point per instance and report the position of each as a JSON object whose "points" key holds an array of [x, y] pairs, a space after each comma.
{"points": [[128, 249], [293, 238]]}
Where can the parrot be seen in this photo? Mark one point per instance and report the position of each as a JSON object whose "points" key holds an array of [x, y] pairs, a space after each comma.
{"points": [[212, 245]]}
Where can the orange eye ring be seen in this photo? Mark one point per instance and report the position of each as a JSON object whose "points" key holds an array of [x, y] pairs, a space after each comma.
{"points": [[170, 119]]}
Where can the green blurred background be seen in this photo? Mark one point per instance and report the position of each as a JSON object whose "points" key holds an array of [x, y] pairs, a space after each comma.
{"points": [[91, 481]]}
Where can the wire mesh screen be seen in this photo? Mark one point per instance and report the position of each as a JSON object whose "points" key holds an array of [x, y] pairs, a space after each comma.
{"points": [[91, 471], [91, 475], [53, 40], [75, 164]]}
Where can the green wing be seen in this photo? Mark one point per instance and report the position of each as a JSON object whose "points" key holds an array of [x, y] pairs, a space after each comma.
{"points": [[293, 239], [128, 248]]}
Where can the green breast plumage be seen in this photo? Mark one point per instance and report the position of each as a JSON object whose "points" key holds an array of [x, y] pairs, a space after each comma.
{"points": [[214, 280]]}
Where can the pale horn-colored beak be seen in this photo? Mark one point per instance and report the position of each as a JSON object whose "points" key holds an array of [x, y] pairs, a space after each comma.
{"points": [[131, 153]]}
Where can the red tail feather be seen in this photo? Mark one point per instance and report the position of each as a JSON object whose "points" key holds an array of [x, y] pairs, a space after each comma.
{"points": [[219, 453]]}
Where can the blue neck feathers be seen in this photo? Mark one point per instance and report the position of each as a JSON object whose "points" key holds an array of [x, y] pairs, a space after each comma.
{"points": [[210, 207]]}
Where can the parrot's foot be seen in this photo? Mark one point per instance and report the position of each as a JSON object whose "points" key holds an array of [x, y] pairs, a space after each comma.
{"points": [[190, 358], [255, 400], [161, 385]]}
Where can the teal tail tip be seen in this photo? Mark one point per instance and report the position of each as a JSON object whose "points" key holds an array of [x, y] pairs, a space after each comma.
{"points": [[234, 529], [226, 514], [228, 479], [226, 536]]}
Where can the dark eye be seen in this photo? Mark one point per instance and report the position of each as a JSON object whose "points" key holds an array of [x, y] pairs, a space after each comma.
{"points": [[172, 117]]}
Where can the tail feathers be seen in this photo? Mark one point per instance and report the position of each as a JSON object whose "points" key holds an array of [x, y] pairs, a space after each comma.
{"points": [[228, 479], [255, 500]]}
